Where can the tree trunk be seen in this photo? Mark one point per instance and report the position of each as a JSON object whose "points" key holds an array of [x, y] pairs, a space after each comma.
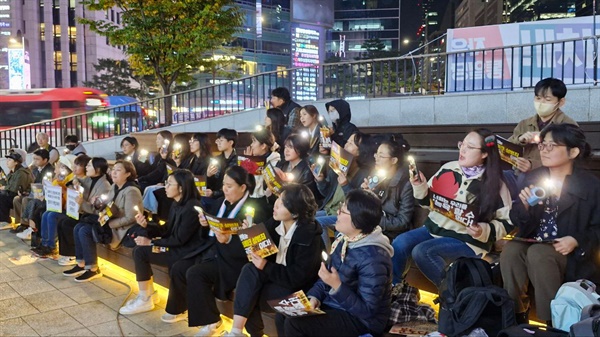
{"points": [[167, 103]]}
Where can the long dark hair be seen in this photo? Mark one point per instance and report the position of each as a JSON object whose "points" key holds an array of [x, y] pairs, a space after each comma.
{"points": [[367, 146], [184, 140], [204, 142], [185, 180], [492, 179], [277, 122]]}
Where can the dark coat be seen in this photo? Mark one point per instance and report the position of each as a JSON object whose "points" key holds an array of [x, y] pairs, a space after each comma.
{"points": [[398, 204], [38, 176], [231, 257], [303, 258], [182, 233], [578, 216], [215, 183], [365, 292], [343, 129], [302, 175]]}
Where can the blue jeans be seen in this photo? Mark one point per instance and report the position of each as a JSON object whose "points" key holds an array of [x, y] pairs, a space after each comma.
{"points": [[49, 224], [150, 202], [430, 254], [327, 222], [85, 246]]}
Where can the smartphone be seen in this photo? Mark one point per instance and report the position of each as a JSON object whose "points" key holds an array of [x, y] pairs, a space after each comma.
{"points": [[413, 171]]}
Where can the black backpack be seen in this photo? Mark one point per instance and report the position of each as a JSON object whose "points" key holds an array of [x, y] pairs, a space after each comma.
{"points": [[468, 300]]}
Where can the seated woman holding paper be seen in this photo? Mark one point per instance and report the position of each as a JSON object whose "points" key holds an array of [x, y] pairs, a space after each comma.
{"points": [[263, 148], [123, 196], [94, 185], [216, 276], [354, 287], [558, 227], [335, 186], [175, 242], [470, 210], [294, 267], [295, 165], [49, 219]]}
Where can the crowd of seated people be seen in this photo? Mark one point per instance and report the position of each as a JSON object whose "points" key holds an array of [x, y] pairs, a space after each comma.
{"points": [[162, 204]]}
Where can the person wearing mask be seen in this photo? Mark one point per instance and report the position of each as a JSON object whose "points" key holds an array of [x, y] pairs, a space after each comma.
{"points": [[182, 235], [563, 229], [17, 181], [340, 115], [125, 194], [73, 146], [354, 286], [293, 229], [472, 185], [282, 100], [550, 96]]}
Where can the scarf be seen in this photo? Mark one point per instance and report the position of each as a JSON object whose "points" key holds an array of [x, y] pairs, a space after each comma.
{"points": [[345, 241], [233, 212], [473, 170]]}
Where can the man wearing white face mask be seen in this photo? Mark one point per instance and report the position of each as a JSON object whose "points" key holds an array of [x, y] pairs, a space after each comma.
{"points": [[340, 115], [549, 98]]}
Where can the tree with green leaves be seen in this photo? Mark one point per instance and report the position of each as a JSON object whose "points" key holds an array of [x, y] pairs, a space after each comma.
{"points": [[167, 38], [114, 77]]}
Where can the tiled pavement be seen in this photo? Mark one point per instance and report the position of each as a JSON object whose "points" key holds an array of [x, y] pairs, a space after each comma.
{"points": [[37, 300]]}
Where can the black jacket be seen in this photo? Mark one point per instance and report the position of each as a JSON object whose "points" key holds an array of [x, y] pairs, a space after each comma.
{"points": [[343, 129], [398, 204], [182, 233], [215, 183], [302, 175], [578, 216], [38, 175], [303, 258]]}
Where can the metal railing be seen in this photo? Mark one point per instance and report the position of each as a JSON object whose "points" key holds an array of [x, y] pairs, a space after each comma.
{"points": [[506, 68]]}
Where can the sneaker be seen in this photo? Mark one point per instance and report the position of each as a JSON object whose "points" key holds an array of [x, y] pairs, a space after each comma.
{"points": [[19, 229], [89, 275], [233, 334], [25, 234], [214, 329], [170, 318], [46, 252], [137, 305], [75, 271], [155, 297], [66, 261]]}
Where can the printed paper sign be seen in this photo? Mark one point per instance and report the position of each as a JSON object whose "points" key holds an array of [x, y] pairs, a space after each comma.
{"points": [[458, 211], [509, 152], [223, 225], [340, 159], [294, 305], [53, 198], [72, 205], [256, 239]]}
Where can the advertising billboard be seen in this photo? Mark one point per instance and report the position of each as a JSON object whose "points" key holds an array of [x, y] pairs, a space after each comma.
{"points": [[305, 53]]}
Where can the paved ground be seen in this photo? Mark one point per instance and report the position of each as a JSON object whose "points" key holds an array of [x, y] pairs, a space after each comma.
{"points": [[37, 300]]}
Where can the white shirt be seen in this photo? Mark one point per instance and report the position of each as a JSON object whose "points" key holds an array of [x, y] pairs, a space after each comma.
{"points": [[284, 241]]}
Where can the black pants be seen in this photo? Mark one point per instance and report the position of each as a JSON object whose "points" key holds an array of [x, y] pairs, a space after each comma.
{"points": [[335, 323], [203, 308], [177, 303], [66, 241], [252, 292], [6, 204]]}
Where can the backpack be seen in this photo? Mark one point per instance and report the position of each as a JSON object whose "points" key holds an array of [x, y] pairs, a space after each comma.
{"points": [[570, 299], [589, 325], [468, 300]]}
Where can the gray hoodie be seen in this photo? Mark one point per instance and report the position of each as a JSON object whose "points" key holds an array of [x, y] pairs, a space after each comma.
{"points": [[376, 238]]}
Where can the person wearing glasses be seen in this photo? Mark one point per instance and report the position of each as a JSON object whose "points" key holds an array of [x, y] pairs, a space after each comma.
{"points": [[469, 210], [354, 286], [561, 230], [390, 182], [178, 242]]}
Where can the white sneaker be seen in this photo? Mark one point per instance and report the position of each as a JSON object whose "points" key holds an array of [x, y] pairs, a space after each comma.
{"points": [[137, 305], [26, 234], [170, 318], [66, 260], [214, 329], [155, 297]]}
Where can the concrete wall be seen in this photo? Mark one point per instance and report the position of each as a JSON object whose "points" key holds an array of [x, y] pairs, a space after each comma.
{"points": [[583, 105]]}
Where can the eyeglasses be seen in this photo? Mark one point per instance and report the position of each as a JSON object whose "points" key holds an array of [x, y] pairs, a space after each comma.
{"points": [[340, 211], [548, 146], [469, 147], [378, 155], [167, 183]]}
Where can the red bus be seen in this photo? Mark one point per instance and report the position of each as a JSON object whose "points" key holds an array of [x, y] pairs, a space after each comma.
{"points": [[21, 107]]}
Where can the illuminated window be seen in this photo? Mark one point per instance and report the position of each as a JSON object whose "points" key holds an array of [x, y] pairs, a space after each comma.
{"points": [[56, 30], [57, 60], [73, 61], [43, 31]]}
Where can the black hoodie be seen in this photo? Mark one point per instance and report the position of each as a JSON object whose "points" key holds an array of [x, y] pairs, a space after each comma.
{"points": [[343, 129]]}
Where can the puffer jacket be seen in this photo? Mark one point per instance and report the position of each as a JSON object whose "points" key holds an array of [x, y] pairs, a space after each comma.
{"points": [[343, 129], [366, 276]]}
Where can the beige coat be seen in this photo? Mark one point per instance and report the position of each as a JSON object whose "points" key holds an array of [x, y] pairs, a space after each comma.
{"points": [[125, 217], [531, 125], [102, 186]]}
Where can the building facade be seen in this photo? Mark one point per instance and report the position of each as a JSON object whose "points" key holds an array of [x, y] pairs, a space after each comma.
{"points": [[61, 51]]}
